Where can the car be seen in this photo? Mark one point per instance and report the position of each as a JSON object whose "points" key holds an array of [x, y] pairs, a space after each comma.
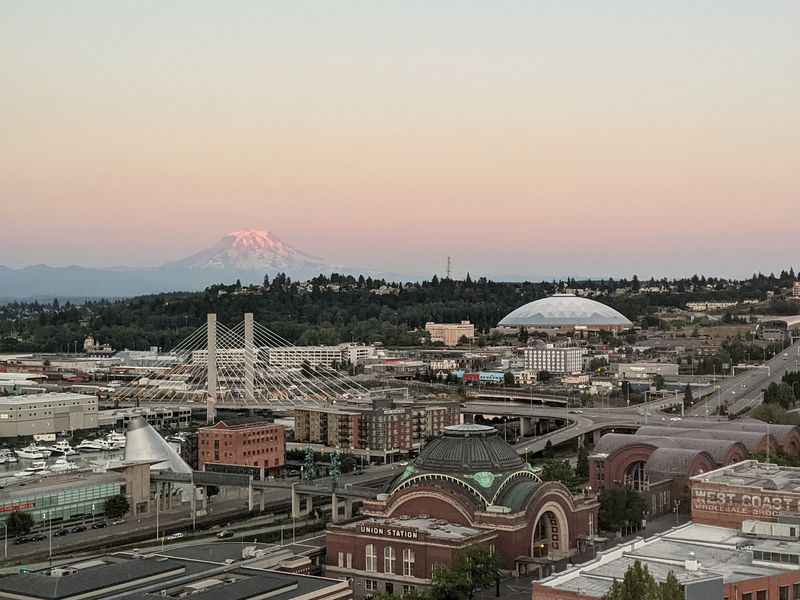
{"points": [[174, 536], [21, 540], [118, 522], [38, 537], [224, 534], [576, 411], [785, 356], [675, 419], [61, 532], [78, 528], [99, 525]]}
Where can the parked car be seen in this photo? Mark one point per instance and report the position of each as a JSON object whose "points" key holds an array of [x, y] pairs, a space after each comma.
{"points": [[61, 532], [118, 522], [21, 540], [99, 525], [225, 533], [38, 537], [174, 536], [78, 528]]}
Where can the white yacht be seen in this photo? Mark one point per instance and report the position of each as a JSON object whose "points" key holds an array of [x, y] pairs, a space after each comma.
{"points": [[61, 448], [116, 440], [38, 466], [7, 456], [33, 451], [62, 465], [97, 445]]}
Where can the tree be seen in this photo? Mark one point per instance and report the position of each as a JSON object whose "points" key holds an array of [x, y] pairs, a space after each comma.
{"points": [[637, 584], [582, 468], [671, 589], [19, 523], [688, 397], [116, 506], [523, 335], [508, 378], [477, 567], [658, 380], [620, 508], [560, 470]]}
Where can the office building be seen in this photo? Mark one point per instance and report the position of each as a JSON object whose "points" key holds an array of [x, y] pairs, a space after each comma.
{"points": [[257, 444], [645, 370], [450, 334], [554, 359]]}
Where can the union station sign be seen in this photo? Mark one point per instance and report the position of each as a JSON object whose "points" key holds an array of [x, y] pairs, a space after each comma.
{"points": [[390, 532], [757, 505]]}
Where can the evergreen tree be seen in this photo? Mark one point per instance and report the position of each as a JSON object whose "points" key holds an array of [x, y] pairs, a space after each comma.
{"points": [[671, 589], [637, 584], [582, 468], [688, 397]]}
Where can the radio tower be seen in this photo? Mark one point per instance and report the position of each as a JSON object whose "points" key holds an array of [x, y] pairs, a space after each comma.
{"points": [[449, 265]]}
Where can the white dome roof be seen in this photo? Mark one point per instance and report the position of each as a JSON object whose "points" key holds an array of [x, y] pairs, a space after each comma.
{"points": [[565, 309]]}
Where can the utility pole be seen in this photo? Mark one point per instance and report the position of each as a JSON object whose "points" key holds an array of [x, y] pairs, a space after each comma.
{"points": [[449, 267]]}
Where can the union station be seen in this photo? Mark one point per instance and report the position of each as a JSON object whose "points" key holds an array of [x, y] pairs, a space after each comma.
{"points": [[467, 487]]}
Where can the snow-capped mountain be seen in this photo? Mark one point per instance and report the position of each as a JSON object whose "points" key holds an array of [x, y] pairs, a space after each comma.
{"points": [[249, 250]]}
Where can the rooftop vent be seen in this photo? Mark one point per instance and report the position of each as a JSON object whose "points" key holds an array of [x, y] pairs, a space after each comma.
{"points": [[691, 563]]}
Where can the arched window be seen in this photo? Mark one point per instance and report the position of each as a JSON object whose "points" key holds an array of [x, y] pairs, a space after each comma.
{"points": [[389, 558], [371, 559]]}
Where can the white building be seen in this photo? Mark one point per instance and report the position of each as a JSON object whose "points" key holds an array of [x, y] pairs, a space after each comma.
{"points": [[554, 360], [46, 413]]}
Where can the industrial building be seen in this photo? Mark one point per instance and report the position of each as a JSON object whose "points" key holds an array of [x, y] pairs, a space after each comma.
{"points": [[554, 359], [645, 370], [450, 334], [58, 412], [467, 487]]}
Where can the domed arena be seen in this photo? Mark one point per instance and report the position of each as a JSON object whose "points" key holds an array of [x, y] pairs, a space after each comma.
{"points": [[467, 488], [566, 310]]}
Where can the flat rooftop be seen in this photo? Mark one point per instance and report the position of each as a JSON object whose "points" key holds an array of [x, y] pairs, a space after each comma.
{"points": [[53, 484], [719, 551], [753, 474], [46, 397], [433, 528]]}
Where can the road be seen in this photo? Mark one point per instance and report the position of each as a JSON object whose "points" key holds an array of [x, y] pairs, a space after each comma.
{"points": [[743, 391]]}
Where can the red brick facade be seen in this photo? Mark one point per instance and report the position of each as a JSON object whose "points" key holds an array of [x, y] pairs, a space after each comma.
{"points": [[253, 444]]}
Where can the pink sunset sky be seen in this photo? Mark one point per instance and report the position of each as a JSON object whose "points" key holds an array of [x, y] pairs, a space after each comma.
{"points": [[526, 138]]}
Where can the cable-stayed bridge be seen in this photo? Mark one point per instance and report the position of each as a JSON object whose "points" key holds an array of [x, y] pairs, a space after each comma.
{"points": [[246, 365]]}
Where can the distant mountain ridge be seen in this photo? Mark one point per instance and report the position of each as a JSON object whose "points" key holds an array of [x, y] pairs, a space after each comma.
{"points": [[246, 255]]}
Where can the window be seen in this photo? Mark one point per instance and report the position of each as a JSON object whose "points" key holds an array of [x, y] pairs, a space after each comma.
{"points": [[371, 559], [408, 562], [349, 560], [388, 559], [408, 589], [747, 596], [797, 591], [783, 592], [761, 595], [370, 585], [341, 559]]}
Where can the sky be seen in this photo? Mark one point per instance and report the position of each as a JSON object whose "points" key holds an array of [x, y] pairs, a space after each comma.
{"points": [[528, 138]]}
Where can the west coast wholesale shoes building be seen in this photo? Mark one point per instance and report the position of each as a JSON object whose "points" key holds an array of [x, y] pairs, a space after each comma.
{"points": [[467, 488]]}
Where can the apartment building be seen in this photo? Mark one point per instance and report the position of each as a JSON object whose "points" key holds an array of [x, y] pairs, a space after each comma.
{"points": [[450, 334]]}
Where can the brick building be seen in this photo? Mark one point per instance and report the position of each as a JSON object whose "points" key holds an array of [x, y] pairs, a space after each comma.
{"points": [[749, 490], [467, 487], [257, 444], [658, 461]]}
